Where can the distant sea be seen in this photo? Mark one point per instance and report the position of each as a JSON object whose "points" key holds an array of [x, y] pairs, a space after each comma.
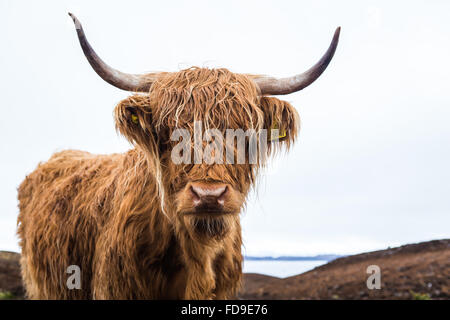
{"points": [[285, 266], [280, 268]]}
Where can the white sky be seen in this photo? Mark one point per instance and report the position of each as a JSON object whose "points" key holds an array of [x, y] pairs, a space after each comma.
{"points": [[371, 168]]}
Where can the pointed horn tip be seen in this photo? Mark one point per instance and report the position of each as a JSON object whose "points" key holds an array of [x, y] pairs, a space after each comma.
{"points": [[337, 32], [335, 40], [75, 20]]}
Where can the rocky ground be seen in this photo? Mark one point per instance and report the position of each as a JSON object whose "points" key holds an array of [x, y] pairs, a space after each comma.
{"points": [[414, 271], [10, 278]]}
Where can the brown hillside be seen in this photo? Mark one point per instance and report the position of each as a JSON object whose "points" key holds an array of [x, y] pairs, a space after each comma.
{"points": [[10, 278], [412, 271]]}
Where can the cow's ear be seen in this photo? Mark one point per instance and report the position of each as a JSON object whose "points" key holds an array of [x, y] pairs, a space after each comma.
{"points": [[133, 118], [280, 119]]}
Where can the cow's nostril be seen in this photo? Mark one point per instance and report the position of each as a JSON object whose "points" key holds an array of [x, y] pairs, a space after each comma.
{"points": [[195, 195]]}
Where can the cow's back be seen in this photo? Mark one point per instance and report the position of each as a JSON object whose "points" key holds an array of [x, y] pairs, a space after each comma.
{"points": [[63, 205]]}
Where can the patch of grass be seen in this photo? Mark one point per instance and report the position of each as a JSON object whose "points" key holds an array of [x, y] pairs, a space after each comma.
{"points": [[419, 296], [6, 295]]}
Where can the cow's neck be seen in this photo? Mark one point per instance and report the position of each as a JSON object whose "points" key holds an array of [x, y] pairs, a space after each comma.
{"points": [[211, 266]]}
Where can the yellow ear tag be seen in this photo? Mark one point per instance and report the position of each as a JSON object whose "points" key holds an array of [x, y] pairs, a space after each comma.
{"points": [[134, 119], [273, 133]]}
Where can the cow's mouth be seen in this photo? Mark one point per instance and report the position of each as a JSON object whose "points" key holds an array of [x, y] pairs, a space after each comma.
{"points": [[208, 226], [212, 212]]}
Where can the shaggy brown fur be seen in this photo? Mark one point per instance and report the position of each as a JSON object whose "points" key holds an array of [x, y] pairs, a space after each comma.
{"points": [[126, 219]]}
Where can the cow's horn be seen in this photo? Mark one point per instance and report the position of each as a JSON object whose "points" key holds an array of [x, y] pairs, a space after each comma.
{"points": [[272, 86], [125, 81]]}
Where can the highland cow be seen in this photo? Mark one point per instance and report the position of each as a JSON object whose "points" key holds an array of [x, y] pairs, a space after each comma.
{"points": [[138, 225]]}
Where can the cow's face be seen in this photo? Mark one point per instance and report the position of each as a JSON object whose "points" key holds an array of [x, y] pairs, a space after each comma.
{"points": [[204, 197], [179, 125]]}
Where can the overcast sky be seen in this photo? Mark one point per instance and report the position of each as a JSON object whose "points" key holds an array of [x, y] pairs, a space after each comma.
{"points": [[371, 167]]}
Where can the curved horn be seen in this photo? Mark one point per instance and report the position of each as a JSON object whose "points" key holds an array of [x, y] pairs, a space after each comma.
{"points": [[125, 81], [272, 86]]}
